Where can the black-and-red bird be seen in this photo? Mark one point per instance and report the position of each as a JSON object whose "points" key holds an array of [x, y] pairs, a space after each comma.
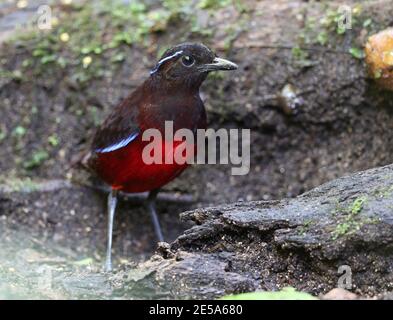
{"points": [[170, 93]]}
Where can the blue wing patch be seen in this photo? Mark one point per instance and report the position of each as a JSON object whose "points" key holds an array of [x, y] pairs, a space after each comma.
{"points": [[120, 144]]}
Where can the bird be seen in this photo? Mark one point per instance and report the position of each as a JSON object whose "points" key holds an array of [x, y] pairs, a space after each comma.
{"points": [[170, 93]]}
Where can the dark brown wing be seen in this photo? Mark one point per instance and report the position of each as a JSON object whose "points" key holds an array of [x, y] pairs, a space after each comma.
{"points": [[120, 127]]}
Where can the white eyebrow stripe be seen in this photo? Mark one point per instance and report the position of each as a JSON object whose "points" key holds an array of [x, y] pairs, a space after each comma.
{"points": [[159, 63], [118, 145], [177, 53]]}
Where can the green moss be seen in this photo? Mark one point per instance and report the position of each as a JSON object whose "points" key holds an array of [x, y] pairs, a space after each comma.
{"points": [[357, 53], [302, 230], [102, 32], [213, 4], [53, 140], [14, 75], [301, 57], [242, 6], [330, 30], [19, 131], [350, 224], [322, 38], [368, 22], [216, 76], [384, 192], [341, 229], [37, 159], [333, 17], [350, 227], [19, 184], [357, 205], [118, 57], [287, 293]]}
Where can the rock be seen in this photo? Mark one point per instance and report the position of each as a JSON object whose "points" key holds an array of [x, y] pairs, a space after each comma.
{"points": [[339, 294], [300, 242]]}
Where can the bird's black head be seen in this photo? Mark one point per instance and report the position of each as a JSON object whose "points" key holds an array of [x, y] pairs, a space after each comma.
{"points": [[189, 63]]}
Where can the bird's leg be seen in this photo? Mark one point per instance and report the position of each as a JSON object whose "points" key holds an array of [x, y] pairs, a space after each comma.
{"points": [[151, 205], [112, 201]]}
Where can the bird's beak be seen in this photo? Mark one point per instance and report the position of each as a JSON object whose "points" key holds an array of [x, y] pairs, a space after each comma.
{"points": [[219, 64]]}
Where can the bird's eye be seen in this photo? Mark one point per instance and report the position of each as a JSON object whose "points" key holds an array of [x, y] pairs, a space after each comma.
{"points": [[188, 61]]}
